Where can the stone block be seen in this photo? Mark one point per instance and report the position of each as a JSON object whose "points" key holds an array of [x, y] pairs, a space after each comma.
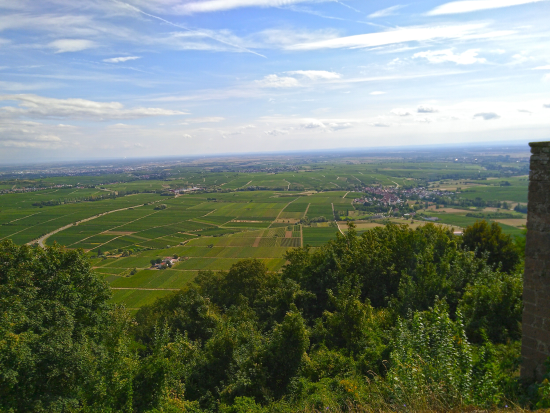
{"points": [[536, 281], [529, 296]]}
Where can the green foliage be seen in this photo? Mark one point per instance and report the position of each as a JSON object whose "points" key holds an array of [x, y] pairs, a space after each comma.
{"points": [[184, 311], [493, 307], [431, 355], [390, 320], [489, 239], [61, 345]]}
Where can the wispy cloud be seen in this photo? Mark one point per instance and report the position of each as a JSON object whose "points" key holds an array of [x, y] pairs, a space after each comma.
{"points": [[403, 35], [222, 5], [401, 112], [468, 6], [35, 106], [426, 109], [390, 11], [377, 92], [316, 74], [72, 45], [547, 67], [26, 134], [211, 119], [487, 116], [121, 59], [274, 81], [197, 32], [441, 56]]}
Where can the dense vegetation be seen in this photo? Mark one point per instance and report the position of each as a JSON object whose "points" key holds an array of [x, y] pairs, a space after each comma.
{"points": [[395, 319]]}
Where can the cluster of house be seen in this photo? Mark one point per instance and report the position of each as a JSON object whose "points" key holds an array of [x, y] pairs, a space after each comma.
{"points": [[166, 262], [34, 189], [183, 190], [394, 196], [380, 195]]}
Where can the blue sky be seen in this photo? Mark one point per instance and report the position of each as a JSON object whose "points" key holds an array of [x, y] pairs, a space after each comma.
{"points": [[113, 79]]}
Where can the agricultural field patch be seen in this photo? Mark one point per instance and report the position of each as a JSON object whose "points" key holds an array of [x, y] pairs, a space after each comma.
{"points": [[317, 236], [137, 298]]}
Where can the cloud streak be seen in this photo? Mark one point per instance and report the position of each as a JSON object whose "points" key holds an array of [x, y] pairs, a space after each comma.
{"points": [[487, 116], [468, 6], [121, 59], [390, 11], [403, 35], [72, 45], [274, 81], [209, 6], [244, 49], [468, 57], [35, 106], [316, 74]]}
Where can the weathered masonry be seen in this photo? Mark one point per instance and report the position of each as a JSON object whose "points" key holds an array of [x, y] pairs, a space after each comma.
{"points": [[536, 284]]}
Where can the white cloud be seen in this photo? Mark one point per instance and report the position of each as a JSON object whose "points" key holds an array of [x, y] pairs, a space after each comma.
{"points": [[377, 92], [316, 74], [547, 67], [338, 126], [547, 106], [390, 11], [278, 82], [403, 35], [71, 45], [426, 109], [43, 107], [220, 5], [289, 37], [422, 120], [401, 112], [276, 132], [186, 136], [211, 119], [440, 56], [380, 125], [487, 115], [313, 124], [26, 134], [121, 59], [467, 6]]}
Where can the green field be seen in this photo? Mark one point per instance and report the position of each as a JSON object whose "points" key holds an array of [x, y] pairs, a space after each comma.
{"points": [[235, 215]]}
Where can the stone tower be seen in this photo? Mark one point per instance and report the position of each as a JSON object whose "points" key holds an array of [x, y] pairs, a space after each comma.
{"points": [[536, 284]]}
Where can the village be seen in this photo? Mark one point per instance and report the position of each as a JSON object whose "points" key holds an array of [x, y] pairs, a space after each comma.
{"points": [[387, 196]]}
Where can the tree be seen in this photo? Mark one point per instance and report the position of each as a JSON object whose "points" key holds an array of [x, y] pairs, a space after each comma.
{"points": [[247, 278], [55, 330], [489, 239]]}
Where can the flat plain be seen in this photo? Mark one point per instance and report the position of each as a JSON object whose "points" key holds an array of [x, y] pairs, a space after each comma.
{"points": [[248, 210]]}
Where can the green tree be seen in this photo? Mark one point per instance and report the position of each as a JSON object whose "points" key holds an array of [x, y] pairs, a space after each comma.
{"points": [[56, 333], [485, 238]]}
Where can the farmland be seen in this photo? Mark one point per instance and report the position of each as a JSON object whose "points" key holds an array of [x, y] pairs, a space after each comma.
{"points": [[213, 213]]}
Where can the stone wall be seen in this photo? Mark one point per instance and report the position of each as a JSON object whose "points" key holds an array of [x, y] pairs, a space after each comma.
{"points": [[536, 284]]}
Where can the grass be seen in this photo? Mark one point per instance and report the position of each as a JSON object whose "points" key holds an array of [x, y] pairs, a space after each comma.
{"points": [[137, 298], [155, 279], [317, 236]]}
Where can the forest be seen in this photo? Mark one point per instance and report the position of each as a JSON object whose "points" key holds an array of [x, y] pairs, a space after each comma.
{"points": [[393, 319]]}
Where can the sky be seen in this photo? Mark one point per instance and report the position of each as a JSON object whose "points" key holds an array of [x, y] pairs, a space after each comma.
{"points": [[93, 79]]}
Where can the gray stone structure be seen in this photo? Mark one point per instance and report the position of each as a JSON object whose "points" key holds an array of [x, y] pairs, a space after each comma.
{"points": [[536, 284]]}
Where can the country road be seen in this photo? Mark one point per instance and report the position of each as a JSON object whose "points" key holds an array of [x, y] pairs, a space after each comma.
{"points": [[43, 238]]}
